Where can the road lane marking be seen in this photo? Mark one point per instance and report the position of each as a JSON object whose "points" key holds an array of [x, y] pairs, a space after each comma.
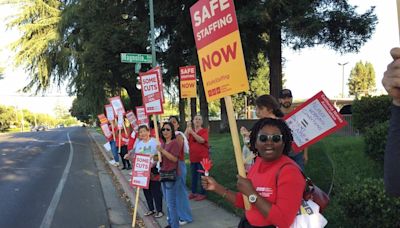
{"points": [[48, 218]]}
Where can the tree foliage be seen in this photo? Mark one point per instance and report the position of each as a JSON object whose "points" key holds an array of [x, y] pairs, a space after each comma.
{"points": [[362, 79]]}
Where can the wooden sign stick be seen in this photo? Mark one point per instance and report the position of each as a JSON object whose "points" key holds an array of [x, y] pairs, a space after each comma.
{"points": [[119, 141], [112, 127], [236, 143], [157, 136], [136, 205]]}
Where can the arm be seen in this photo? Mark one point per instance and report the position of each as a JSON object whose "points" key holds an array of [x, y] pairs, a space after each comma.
{"points": [[167, 154], [392, 154], [179, 140], [210, 184], [305, 155], [202, 137], [391, 82]]}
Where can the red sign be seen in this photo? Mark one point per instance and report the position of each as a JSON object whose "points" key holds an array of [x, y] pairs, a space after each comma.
{"points": [[109, 112], [132, 119], [188, 81], [117, 105], [212, 20], [160, 81], [102, 118], [141, 171], [312, 121], [151, 93], [106, 130], [141, 115]]}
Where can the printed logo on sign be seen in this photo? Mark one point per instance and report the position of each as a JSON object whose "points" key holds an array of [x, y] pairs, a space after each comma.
{"points": [[214, 92]]}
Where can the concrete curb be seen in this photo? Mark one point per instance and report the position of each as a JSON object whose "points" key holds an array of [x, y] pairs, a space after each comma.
{"points": [[149, 221]]}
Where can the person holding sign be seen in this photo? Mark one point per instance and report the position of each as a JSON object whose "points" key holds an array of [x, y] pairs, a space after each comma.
{"points": [[183, 206], [122, 140], [153, 195], [391, 82], [198, 146], [274, 189], [266, 107], [169, 150], [286, 101]]}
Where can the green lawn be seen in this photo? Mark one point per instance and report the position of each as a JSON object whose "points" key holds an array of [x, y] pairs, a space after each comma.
{"points": [[346, 153]]}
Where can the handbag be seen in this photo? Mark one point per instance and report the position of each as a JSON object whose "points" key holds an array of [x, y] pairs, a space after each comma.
{"points": [[168, 175], [311, 191]]}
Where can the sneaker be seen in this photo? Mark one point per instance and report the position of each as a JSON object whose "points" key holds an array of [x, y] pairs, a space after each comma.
{"points": [[200, 197], [112, 162], [149, 213], [116, 164], [192, 195], [181, 222], [158, 214]]}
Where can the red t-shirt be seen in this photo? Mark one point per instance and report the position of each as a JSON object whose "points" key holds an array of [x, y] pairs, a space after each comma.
{"points": [[124, 139], [172, 148], [198, 151], [285, 200], [111, 137], [132, 141], [181, 152]]}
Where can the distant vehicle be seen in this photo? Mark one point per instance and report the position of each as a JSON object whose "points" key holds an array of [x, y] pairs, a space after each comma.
{"points": [[39, 128], [346, 110], [60, 126]]}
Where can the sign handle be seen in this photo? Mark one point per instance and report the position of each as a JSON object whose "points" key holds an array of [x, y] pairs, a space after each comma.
{"points": [[119, 142], [190, 110], [123, 124], [112, 127], [236, 143], [135, 208], [398, 15], [157, 136]]}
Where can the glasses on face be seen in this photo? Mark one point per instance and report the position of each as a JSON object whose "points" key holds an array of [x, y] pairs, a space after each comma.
{"points": [[264, 138], [165, 129]]}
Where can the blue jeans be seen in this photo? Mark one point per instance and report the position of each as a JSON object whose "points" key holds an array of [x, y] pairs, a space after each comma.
{"points": [[170, 192], [114, 150], [196, 178], [182, 200]]}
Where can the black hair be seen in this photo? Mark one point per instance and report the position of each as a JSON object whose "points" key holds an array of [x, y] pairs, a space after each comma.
{"points": [[270, 103], [172, 131], [151, 124], [143, 126], [279, 123], [174, 117]]}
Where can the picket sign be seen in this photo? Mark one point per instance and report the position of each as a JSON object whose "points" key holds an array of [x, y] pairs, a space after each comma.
{"points": [[140, 178], [117, 105], [110, 116], [102, 118], [188, 88], [132, 119], [221, 60], [142, 116]]}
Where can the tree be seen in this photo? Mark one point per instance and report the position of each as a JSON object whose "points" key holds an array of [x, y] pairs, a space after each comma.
{"points": [[306, 23], [362, 79]]}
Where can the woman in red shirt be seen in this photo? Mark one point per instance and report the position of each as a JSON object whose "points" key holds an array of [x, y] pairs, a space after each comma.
{"points": [[198, 149], [274, 189]]}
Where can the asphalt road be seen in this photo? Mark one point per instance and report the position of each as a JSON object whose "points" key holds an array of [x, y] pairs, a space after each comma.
{"points": [[49, 179]]}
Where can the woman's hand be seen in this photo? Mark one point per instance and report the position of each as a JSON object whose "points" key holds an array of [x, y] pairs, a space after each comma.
{"points": [[208, 183], [245, 186], [159, 148], [126, 156]]}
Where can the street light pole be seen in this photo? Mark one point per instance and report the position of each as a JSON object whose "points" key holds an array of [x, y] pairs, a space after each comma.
{"points": [[153, 46], [343, 64]]}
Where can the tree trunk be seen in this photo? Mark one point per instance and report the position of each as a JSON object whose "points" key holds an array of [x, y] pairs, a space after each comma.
{"points": [[224, 124], [203, 103], [274, 54], [193, 107], [182, 115]]}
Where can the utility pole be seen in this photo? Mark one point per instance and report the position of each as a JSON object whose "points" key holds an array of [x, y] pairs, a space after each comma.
{"points": [[343, 64]]}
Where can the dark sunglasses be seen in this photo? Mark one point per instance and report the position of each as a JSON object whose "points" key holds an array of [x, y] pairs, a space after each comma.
{"points": [[165, 129], [265, 138]]}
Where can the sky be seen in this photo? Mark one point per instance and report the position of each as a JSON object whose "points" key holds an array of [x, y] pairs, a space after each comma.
{"points": [[307, 71]]}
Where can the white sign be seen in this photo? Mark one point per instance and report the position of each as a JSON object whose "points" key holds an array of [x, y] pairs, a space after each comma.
{"points": [[120, 120], [313, 120], [132, 119], [141, 116], [107, 146], [151, 93], [117, 104], [141, 171], [109, 112]]}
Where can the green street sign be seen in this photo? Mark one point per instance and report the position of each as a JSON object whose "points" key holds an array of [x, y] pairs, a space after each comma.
{"points": [[135, 58]]}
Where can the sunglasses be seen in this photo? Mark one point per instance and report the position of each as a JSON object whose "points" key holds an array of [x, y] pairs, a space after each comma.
{"points": [[165, 129], [274, 138]]}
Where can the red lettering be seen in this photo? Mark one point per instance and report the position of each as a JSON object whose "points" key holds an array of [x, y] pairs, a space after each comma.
{"points": [[228, 53]]}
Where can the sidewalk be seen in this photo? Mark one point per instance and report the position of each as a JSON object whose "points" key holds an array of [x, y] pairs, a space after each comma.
{"points": [[205, 213]]}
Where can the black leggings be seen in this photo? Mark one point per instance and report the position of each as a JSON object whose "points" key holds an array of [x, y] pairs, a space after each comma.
{"points": [[125, 162], [154, 193]]}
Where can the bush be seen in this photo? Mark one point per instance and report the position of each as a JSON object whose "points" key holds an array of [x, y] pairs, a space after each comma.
{"points": [[365, 204], [375, 141], [370, 110]]}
